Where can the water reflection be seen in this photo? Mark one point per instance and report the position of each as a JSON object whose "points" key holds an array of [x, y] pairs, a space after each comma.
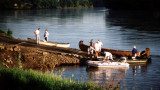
{"points": [[139, 20], [108, 77], [136, 27], [139, 68]]}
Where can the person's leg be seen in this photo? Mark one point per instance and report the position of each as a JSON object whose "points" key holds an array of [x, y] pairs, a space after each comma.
{"points": [[96, 53], [38, 39], [111, 57], [46, 38]]}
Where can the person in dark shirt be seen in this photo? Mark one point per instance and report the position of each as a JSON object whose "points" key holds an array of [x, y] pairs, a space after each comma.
{"points": [[91, 43], [134, 52]]}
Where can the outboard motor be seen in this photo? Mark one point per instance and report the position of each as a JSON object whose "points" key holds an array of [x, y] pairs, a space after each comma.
{"points": [[123, 59]]}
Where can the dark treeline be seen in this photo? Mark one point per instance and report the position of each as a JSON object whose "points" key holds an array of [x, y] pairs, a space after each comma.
{"points": [[133, 4], [98, 3], [38, 4]]}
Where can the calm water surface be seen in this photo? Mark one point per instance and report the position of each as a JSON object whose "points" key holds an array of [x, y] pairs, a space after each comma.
{"points": [[117, 30]]}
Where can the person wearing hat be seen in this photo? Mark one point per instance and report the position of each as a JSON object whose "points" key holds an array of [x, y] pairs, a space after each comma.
{"points": [[134, 52]]}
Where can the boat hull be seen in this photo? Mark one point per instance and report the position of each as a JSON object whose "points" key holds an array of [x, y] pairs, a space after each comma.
{"points": [[106, 64], [85, 47], [138, 60], [64, 45]]}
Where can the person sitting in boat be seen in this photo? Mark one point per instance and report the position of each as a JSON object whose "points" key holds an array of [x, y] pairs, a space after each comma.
{"points": [[146, 53], [134, 52], [108, 56], [90, 51]]}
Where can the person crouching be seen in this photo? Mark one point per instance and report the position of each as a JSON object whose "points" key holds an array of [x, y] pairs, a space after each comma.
{"points": [[108, 56]]}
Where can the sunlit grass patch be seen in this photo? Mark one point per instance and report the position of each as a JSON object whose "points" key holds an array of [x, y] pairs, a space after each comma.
{"points": [[30, 79]]}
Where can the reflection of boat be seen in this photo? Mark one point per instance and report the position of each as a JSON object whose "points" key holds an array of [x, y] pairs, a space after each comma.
{"points": [[106, 64], [84, 47], [65, 45], [107, 77]]}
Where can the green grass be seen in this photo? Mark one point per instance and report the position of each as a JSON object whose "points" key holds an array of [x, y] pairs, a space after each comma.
{"points": [[8, 34], [32, 80]]}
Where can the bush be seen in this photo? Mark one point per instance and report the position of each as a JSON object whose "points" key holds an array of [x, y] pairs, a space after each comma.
{"points": [[9, 33]]}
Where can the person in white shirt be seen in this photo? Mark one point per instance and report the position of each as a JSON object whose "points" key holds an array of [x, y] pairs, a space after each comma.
{"points": [[100, 45], [97, 48], [108, 56], [46, 34], [37, 34]]}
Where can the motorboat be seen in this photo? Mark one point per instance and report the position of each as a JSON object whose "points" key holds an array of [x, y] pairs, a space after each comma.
{"points": [[107, 64]]}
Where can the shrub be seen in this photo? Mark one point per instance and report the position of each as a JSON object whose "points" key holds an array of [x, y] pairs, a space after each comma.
{"points": [[9, 33]]}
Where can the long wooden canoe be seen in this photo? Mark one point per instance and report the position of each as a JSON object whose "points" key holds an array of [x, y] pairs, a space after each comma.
{"points": [[65, 45], [85, 47]]}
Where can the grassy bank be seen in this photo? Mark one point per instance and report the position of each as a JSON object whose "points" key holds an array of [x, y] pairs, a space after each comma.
{"points": [[33, 80]]}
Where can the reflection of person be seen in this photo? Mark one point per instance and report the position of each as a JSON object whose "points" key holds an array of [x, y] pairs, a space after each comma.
{"points": [[37, 34], [108, 56], [46, 34], [134, 52]]}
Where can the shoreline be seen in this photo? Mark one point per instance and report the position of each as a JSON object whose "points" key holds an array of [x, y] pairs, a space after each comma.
{"points": [[28, 55]]}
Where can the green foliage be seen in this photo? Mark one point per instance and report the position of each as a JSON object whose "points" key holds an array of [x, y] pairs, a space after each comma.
{"points": [[9, 33], [19, 79], [1, 64], [133, 4], [1, 31], [38, 4]]}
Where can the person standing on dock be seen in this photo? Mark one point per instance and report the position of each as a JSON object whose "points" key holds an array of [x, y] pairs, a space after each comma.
{"points": [[37, 34], [46, 34]]}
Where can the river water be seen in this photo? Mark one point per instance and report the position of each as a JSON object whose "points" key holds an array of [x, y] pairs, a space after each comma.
{"points": [[116, 29]]}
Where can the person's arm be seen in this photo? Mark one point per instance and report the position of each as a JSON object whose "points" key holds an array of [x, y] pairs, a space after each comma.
{"points": [[35, 32]]}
